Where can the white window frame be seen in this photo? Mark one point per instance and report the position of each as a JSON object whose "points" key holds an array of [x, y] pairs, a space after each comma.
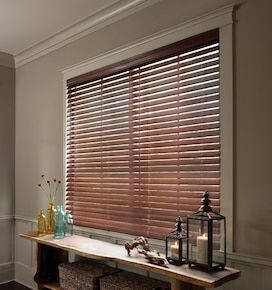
{"points": [[223, 20]]}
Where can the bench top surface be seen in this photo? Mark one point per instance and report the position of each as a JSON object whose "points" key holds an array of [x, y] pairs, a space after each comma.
{"points": [[100, 250]]}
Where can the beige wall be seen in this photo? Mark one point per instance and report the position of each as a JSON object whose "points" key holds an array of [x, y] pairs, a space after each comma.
{"points": [[39, 110], [253, 103], [7, 134]]}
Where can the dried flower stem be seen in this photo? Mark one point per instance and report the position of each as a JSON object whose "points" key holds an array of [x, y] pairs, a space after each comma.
{"points": [[44, 190], [51, 190], [55, 188]]}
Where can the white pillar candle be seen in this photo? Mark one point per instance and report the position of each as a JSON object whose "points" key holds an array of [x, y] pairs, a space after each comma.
{"points": [[202, 249], [175, 251]]}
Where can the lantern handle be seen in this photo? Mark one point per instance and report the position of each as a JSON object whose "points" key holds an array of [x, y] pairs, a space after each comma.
{"points": [[178, 224], [205, 202]]}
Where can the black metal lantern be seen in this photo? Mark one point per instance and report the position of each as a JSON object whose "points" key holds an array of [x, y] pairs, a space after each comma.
{"points": [[206, 244], [176, 245]]}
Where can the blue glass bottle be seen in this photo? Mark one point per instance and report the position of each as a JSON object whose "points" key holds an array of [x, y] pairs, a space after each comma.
{"points": [[60, 223], [68, 223]]}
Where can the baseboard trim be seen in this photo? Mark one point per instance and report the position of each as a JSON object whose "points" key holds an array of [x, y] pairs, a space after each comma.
{"points": [[22, 283], [4, 282]]}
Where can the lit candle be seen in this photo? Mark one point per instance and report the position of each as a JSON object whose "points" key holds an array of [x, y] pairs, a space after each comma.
{"points": [[202, 249], [175, 251]]}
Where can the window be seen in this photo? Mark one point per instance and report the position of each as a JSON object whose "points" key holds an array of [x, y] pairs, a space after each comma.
{"points": [[143, 138]]}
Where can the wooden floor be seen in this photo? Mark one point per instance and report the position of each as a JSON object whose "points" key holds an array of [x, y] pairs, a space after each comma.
{"points": [[13, 286]]}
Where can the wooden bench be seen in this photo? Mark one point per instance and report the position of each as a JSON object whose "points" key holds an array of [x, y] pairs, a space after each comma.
{"points": [[51, 252]]}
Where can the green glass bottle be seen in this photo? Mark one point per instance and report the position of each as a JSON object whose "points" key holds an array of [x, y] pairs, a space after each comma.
{"points": [[60, 223]]}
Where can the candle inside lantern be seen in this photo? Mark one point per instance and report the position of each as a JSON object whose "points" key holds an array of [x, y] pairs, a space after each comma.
{"points": [[202, 249], [175, 251]]}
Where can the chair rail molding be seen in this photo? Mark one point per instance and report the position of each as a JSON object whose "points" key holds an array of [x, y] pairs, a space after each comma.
{"points": [[6, 218], [25, 219]]}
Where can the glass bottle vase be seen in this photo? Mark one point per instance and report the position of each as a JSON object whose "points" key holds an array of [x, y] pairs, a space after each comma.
{"points": [[51, 215], [68, 223], [42, 224], [60, 223]]}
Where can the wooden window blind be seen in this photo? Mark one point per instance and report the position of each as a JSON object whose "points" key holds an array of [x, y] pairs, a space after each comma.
{"points": [[143, 138]]}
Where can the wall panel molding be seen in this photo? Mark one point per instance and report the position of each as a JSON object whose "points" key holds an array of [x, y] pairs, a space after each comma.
{"points": [[24, 275], [25, 253], [6, 272], [7, 247]]}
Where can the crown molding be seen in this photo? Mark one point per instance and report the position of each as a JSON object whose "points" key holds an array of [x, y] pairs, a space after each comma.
{"points": [[102, 18], [218, 18], [6, 60]]}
